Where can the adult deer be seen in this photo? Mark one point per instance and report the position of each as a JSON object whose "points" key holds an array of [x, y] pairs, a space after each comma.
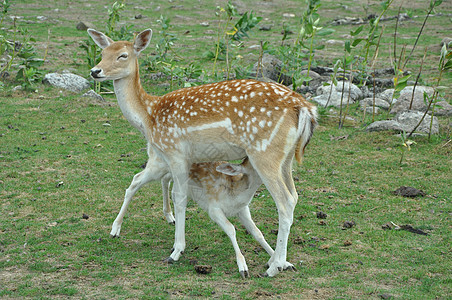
{"points": [[227, 120]]}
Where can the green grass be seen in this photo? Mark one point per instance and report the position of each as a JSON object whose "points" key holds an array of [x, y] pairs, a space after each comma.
{"points": [[49, 250], [58, 161]]}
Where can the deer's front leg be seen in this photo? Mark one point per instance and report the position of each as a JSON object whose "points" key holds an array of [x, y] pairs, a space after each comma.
{"points": [[179, 195], [138, 181]]}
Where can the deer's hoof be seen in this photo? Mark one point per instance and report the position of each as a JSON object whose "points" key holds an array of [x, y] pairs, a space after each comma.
{"points": [[168, 260], [244, 274]]}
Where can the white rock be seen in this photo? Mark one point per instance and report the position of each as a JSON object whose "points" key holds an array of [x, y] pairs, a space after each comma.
{"points": [[67, 81]]}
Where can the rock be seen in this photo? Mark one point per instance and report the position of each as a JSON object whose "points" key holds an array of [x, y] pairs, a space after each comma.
{"points": [[324, 92], [335, 42], [406, 121], [370, 109], [270, 68], [385, 126], [383, 72], [83, 26], [333, 100], [312, 74], [443, 108], [379, 103], [355, 92], [67, 81], [404, 100], [366, 92], [92, 94], [409, 119], [386, 95], [265, 27], [288, 15]]}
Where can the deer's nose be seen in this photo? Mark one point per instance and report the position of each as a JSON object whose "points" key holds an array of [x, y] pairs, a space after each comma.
{"points": [[95, 72]]}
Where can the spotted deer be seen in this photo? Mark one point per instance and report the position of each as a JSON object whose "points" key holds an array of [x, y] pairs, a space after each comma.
{"points": [[267, 122], [220, 188]]}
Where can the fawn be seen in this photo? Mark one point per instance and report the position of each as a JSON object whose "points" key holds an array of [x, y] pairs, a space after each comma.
{"points": [[222, 189]]}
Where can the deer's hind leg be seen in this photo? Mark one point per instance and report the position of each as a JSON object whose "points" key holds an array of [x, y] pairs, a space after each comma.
{"points": [[274, 175]]}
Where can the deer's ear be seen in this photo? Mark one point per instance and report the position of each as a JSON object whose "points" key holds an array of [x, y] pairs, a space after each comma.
{"points": [[99, 38], [142, 40], [230, 169]]}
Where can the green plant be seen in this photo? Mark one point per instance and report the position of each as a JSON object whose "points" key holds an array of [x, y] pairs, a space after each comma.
{"points": [[433, 4], [92, 51], [230, 39], [43, 234], [444, 65], [166, 42], [20, 47], [181, 74], [114, 16], [92, 58], [405, 145], [333, 80], [28, 73], [294, 55]]}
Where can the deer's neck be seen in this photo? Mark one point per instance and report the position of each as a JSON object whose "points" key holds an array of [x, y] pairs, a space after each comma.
{"points": [[133, 101]]}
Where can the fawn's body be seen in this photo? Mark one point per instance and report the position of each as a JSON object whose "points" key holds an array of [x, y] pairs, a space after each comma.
{"points": [[267, 122], [220, 188]]}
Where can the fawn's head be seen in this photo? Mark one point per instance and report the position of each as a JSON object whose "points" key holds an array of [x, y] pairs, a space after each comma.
{"points": [[119, 59]]}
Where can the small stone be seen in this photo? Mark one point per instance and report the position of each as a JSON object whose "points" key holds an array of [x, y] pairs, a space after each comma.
{"points": [[265, 27], [83, 26], [92, 94]]}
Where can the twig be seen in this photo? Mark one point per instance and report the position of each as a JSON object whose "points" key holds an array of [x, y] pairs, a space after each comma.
{"points": [[446, 143], [432, 6], [395, 31], [372, 209], [417, 78]]}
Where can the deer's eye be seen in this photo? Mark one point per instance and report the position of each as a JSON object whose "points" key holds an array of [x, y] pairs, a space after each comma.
{"points": [[123, 56]]}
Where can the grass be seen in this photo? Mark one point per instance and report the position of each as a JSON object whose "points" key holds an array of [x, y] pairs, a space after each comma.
{"points": [[62, 156]]}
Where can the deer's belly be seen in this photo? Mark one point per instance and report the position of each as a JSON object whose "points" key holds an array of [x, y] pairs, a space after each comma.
{"points": [[214, 151]]}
